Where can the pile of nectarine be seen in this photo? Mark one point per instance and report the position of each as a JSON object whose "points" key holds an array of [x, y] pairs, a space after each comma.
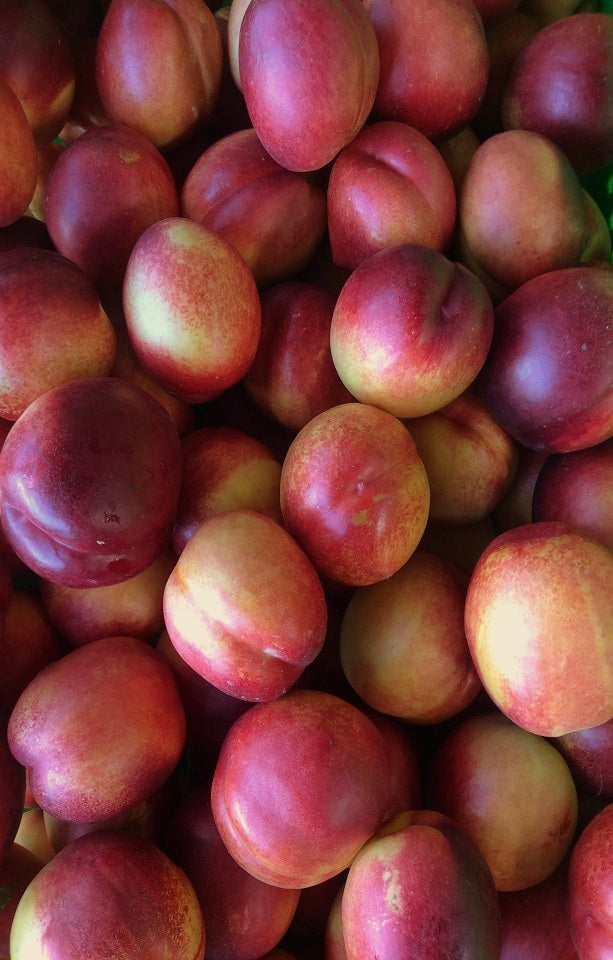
{"points": [[306, 473]]}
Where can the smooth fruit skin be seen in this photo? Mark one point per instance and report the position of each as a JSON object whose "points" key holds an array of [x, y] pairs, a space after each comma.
{"points": [[159, 67], [589, 754], [244, 606], [245, 918], [37, 63], [109, 176], [538, 623], [300, 784], [309, 71], [511, 791], [19, 161], [100, 729], [590, 889], [561, 85], [547, 376], [577, 488], [402, 642], [434, 63], [511, 226], [535, 921], [420, 888], [410, 330], [191, 308], [90, 478], [354, 493], [389, 185], [224, 468], [109, 894], [53, 327], [237, 190], [292, 377]]}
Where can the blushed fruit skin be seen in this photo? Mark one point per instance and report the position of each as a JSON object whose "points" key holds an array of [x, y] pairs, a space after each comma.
{"points": [[439, 91], [159, 67], [511, 791], [192, 309], [561, 85], [309, 74], [237, 190], [100, 729], [577, 488], [535, 921], [547, 378], [420, 888], [389, 185], [402, 642], [53, 327], [538, 624], [109, 894], [19, 163], [90, 479], [300, 784], [410, 330], [470, 460], [354, 493], [244, 917], [590, 888], [589, 754], [224, 468], [103, 191], [37, 63], [292, 377], [244, 606], [514, 227]]}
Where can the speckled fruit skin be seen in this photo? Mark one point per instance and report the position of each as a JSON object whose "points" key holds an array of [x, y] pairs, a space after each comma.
{"points": [[420, 888], [100, 729], [244, 606], [410, 330], [109, 894], [354, 493], [438, 90], [538, 623], [192, 309], [224, 468], [512, 229], [309, 73], [89, 478], [590, 888], [300, 784]]}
